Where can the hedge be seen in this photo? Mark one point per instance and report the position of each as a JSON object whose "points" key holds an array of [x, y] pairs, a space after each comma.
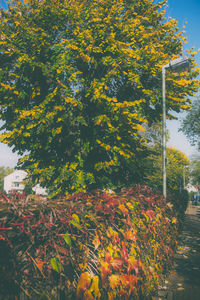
{"points": [[86, 246]]}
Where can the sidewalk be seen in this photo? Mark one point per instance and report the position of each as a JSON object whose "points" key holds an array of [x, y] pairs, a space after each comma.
{"points": [[183, 281]]}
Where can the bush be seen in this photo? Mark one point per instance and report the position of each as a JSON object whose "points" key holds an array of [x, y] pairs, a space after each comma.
{"points": [[180, 200], [89, 246]]}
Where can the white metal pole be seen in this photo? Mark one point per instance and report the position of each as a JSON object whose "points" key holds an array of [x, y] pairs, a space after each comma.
{"points": [[164, 133], [176, 65]]}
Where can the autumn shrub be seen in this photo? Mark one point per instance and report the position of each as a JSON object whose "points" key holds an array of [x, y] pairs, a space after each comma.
{"points": [[88, 246]]}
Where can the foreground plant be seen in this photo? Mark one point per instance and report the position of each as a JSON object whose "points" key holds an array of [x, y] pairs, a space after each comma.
{"points": [[90, 246]]}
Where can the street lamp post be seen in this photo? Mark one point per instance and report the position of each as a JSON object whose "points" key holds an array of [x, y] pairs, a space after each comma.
{"points": [[177, 65]]}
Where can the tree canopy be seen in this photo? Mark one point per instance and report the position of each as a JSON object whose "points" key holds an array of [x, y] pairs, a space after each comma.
{"points": [[191, 124], [78, 81], [4, 171], [195, 170], [177, 171]]}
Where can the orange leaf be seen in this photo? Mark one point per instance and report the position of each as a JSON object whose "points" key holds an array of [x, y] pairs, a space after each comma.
{"points": [[133, 282], [123, 209], [105, 270], [124, 280], [39, 264], [96, 242], [83, 283], [130, 236]]}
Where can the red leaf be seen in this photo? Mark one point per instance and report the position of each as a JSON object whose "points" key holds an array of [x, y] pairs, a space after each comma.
{"points": [[130, 236], [108, 257]]}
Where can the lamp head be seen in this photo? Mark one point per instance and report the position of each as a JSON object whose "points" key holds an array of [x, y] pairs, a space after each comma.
{"points": [[178, 65]]}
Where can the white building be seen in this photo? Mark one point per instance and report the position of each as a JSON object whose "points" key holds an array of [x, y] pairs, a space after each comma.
{"points": [[14, 182], [39, 190], [191, 188]]}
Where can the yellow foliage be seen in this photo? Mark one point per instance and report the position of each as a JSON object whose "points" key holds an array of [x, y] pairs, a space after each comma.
{"points": [[83, 283], [94, 289], [140, 128], [58, 130], [6, 86], [114, 281], [27, 134]]}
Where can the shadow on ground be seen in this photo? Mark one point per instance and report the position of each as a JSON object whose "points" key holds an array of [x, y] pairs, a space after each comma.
{"points": [[183, 282]]}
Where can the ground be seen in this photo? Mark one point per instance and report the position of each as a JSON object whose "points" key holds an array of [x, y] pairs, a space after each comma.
{"points": [[183, 281]]}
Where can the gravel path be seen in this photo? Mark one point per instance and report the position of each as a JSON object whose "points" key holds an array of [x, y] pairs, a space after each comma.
{"points": [[183, 281]]}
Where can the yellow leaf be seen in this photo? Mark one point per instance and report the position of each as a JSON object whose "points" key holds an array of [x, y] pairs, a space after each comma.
{"points": [[114, 281], [26, 134], [94, 289], [6, 86], [76, 218], [140, 128], [88, 296], [174, 220], [58, 130]]}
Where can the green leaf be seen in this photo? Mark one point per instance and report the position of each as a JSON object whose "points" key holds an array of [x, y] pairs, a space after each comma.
{"points": [[56, 264], [67, 239], [73, 222]]}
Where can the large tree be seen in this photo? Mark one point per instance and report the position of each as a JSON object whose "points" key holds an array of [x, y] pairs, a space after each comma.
{"points": [[78, 81]]}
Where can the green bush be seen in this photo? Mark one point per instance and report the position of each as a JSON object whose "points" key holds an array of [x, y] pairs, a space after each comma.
{"points": [[89, 246], [180, 200]]}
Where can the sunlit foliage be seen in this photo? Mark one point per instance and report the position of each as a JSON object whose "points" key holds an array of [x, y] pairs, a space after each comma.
{"points": [[177, 172], [78, 81]]}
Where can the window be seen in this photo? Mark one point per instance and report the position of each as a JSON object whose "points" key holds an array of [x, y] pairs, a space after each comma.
{"points": [[16, 184]]}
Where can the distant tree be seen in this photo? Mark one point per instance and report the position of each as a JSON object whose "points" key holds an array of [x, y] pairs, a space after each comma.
{"points": [[177, 173], [78, 81], [191, 124], [4, 171], [195, 170], [153, 136], [177, 163], [28, 185]]}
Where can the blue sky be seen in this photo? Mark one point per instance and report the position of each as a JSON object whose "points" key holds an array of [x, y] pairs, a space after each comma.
{"points": [[183, 11]]}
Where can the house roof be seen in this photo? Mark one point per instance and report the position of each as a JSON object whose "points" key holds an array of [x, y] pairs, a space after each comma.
{"points": [[20, 173]]}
